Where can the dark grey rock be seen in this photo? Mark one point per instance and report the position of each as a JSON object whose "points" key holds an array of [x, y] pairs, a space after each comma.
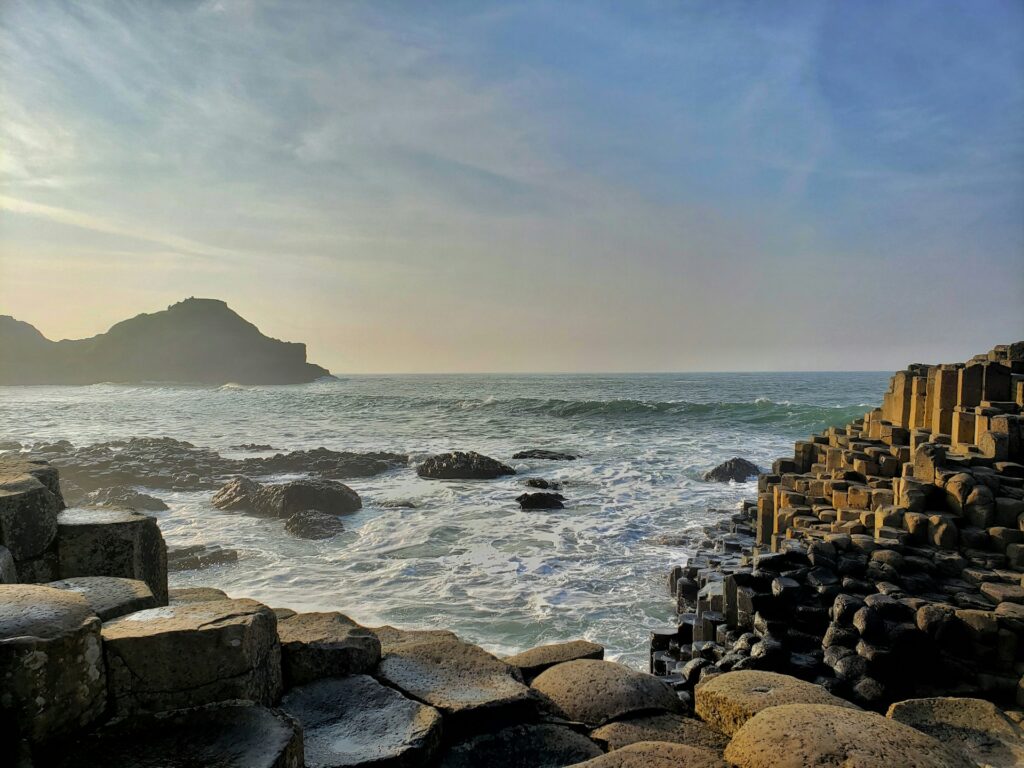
{"points": [[735, 469], [459, 465]]}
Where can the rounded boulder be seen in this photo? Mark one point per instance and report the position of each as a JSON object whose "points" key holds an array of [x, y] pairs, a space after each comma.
{"points": [[656, 754]]}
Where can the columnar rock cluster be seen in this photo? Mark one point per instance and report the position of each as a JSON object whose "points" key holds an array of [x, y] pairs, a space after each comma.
{"points": [[885, 559]]}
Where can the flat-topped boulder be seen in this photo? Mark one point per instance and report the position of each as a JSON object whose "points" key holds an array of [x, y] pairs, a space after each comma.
{"points": [[665, 726], [315, 645], [227, 735], [545, 455], [656, 754], [187, 595], [112, 542], [196, 557], [978, 727], [356, 721], [735, 469], [192, 654], [727, 701], [472, 689], [30, 501], [51, 662], [823, 735], [285, 499], [460, 465], [596, 692], [109, 596], [542, 745], [534, 661]]}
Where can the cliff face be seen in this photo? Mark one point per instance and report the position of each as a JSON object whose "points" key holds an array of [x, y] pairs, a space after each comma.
{"points": [[198, 341]]}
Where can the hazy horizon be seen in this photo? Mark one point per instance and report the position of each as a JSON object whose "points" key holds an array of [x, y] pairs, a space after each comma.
{"points": [[524, 187]]}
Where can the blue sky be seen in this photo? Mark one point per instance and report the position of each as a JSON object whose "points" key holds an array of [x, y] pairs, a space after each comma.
{"points": [[524, 186]]}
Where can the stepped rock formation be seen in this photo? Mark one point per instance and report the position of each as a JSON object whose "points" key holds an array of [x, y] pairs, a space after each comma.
{"points": [[198, 341]]}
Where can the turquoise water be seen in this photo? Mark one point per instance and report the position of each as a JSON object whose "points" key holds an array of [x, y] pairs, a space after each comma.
{"points": [[466, 557]]}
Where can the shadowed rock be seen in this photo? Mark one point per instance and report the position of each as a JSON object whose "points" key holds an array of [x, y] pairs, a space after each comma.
{"points": [[534, 661], [459, 465], [801, 735], [315, 645], [30, 501], [727, 701], [310, 524], [356, 721], [124, 497], [595, 692], [540, 453], [735, 469], [541, 501], [660, 727], [109, 596], [655, 754], [540, 482], [229, 735], [52, 677], [192, 654], [537, 746], [196, 595]]}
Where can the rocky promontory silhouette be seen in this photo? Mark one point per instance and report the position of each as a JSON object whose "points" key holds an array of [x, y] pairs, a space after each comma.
{"points": [[200, 341]]}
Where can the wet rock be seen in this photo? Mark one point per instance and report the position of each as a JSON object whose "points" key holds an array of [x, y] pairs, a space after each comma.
{"points": [[252, 447], [539, 746], [112, 542], [124, 497], [315, 645], [801, 735], [473, 689], [196, 595], [656, 754], [310, 524], [459, 465], [51, 662], [736, 469], [108, 596], [596, 692], [195, 557], [191, 654], [540, 482], [541, 501], [661, 727], [534, 661], [977, 727], [285, 499], [230, 735], [728, 701], [540, 453], [356, 721]]}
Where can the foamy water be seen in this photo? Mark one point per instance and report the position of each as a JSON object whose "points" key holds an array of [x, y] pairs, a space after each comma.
{"points": [[466, 557]]}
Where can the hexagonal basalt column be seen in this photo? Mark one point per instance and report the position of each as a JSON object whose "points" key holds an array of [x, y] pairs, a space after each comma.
{"points": [[29, 503], [109, 596], [112, 542], [52, 677], [193, 654]]}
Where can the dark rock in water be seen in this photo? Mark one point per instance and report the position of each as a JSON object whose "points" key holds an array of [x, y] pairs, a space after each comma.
{"points": [[540, 453], [396, 504], [196, 340], [10, 445], [285, 499], [199, 556], [540, 482], [459, 465], [310, 524], [541, 501], [326, 463], [252, 447], [125, 497], [735, 469]]}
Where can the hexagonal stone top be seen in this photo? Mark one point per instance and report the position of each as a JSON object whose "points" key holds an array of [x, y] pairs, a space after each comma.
{"points": [[97, 516], [595, 692], [800, 735], [666, 726], [351, 721], [534, 661], [656, 754], [186, 617], [726, 702], [110, 596], [34, 610]]}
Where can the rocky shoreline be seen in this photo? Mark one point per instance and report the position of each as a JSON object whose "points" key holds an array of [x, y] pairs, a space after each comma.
{"points": [[852, 584]]}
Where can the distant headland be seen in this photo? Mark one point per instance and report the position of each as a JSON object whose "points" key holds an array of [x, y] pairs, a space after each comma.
{"points": [[196, 341]]}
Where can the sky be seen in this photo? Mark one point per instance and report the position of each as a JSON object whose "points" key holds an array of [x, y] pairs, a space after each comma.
{"points": [[524, 186]]}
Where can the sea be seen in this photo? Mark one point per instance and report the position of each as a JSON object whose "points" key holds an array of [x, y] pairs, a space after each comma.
{"points": [[465, 556]]}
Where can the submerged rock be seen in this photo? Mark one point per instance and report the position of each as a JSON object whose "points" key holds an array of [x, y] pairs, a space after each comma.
{"points": [[310, 524], [735, 469], [541, 501], [545, 485], [124, 497], [459, 465], [356, 721], [285, 499], [252, 447], [198, 556], [540, 453]]}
